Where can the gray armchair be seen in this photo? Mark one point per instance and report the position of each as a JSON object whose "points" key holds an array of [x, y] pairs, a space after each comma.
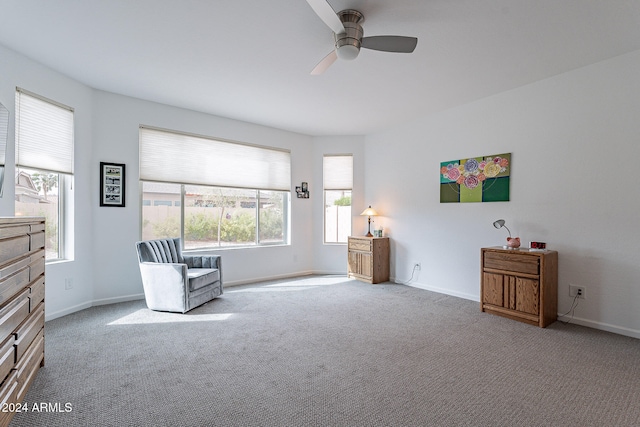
{"points": [[176, 282]]}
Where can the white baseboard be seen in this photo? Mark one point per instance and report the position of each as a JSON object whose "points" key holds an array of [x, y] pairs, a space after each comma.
{"points": [[576, 320], [50, 316], [105, 301], [633, 333], [284, 276], [439, 290]]}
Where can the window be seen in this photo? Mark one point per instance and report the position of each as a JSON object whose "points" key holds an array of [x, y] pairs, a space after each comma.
{"points": [[44, 165], [220, 193], [337, 173], [4, 129]]}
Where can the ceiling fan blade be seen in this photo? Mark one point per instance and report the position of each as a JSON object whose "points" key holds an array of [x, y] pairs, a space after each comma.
{"points": [[325, 63], [327, 14], [400, 44]]}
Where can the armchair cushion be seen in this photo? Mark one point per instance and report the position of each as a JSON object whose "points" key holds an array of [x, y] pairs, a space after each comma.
{"points": [[200, 277]]}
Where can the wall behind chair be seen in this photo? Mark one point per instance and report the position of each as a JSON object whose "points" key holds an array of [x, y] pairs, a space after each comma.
{"points": [[575, 142], [115, 134]]}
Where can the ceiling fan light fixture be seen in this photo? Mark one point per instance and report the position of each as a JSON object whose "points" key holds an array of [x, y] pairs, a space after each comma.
{"points": [[348, 43], [347, 51]]}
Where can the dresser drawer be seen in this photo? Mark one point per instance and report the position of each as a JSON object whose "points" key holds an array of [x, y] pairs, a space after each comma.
{"points": [[512, 262], [29, 364], [37, 293], [36, 267], [7, 357], [14, 313], [17, 230], [8, 394], [28, 330], [36, 240], [11, 285], [18, 264], [360, 244], [13, 248], [36, 227]]}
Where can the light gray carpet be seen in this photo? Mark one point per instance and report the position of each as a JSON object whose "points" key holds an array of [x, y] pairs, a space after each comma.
{"points": [[327, 351]]}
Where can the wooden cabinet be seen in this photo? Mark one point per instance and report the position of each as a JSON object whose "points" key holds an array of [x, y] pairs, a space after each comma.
{"points": [[22, 242], [520, 284], [368, 259]]}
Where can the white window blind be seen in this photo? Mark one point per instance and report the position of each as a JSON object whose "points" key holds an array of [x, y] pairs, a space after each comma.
{"points": [[337, 172], [44, 134], [4, 129], [168, 156]]}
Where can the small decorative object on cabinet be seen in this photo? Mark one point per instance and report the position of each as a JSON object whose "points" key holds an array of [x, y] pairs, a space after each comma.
{"points": [[368, 259], [520, 284], [22, 244]]}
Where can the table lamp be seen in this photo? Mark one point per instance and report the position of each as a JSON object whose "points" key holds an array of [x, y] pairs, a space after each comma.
{"points": [[499, 224], [369, 213]]}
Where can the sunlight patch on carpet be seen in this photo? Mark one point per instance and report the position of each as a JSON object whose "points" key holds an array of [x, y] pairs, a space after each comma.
{"points": [[295, 285], [146, 316]]}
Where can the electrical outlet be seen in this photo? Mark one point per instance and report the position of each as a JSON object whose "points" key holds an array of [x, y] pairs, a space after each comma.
{"points": [[417, 266], [576, 291], [68, 283]]}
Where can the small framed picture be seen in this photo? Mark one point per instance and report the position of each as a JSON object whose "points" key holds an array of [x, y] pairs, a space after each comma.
{"points": [[112, 184], [302, 191]]}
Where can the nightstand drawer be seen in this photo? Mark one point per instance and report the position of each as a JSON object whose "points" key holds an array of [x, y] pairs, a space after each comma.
{"points": [[513, 262], [360, 244]]}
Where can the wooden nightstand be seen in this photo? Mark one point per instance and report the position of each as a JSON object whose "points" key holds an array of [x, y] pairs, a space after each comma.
{"points": [[368, 259], [520, 284]]}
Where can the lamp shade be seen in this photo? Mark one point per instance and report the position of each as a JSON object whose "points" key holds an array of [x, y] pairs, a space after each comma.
{"points": [[369, 212], [499, 224]]}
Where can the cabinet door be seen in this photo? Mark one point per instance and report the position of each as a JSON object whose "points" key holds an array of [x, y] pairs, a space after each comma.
{"points": [[527, 295], [361, 263], [493, 289]]}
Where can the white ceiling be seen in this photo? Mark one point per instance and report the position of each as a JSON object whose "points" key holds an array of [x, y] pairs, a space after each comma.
{"points": [[250, 60]]}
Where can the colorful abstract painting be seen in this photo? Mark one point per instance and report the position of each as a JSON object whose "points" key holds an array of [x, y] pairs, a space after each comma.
{"points": [[478, 179]]}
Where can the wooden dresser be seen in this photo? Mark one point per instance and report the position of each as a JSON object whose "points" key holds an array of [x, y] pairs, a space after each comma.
{"points": [[368, 259], [22, 245], [520, 284]]}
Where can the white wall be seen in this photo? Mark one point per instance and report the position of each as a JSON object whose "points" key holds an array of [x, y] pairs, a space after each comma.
{"points": [[575, 142], [115, 134], [332, 258], [16, 70]]}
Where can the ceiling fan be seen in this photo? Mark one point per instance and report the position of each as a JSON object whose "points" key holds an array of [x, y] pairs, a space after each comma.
{"points": [[348, 36]]}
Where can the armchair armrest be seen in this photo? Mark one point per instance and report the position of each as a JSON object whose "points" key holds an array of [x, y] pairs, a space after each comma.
{"points": [[165, 285]]}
